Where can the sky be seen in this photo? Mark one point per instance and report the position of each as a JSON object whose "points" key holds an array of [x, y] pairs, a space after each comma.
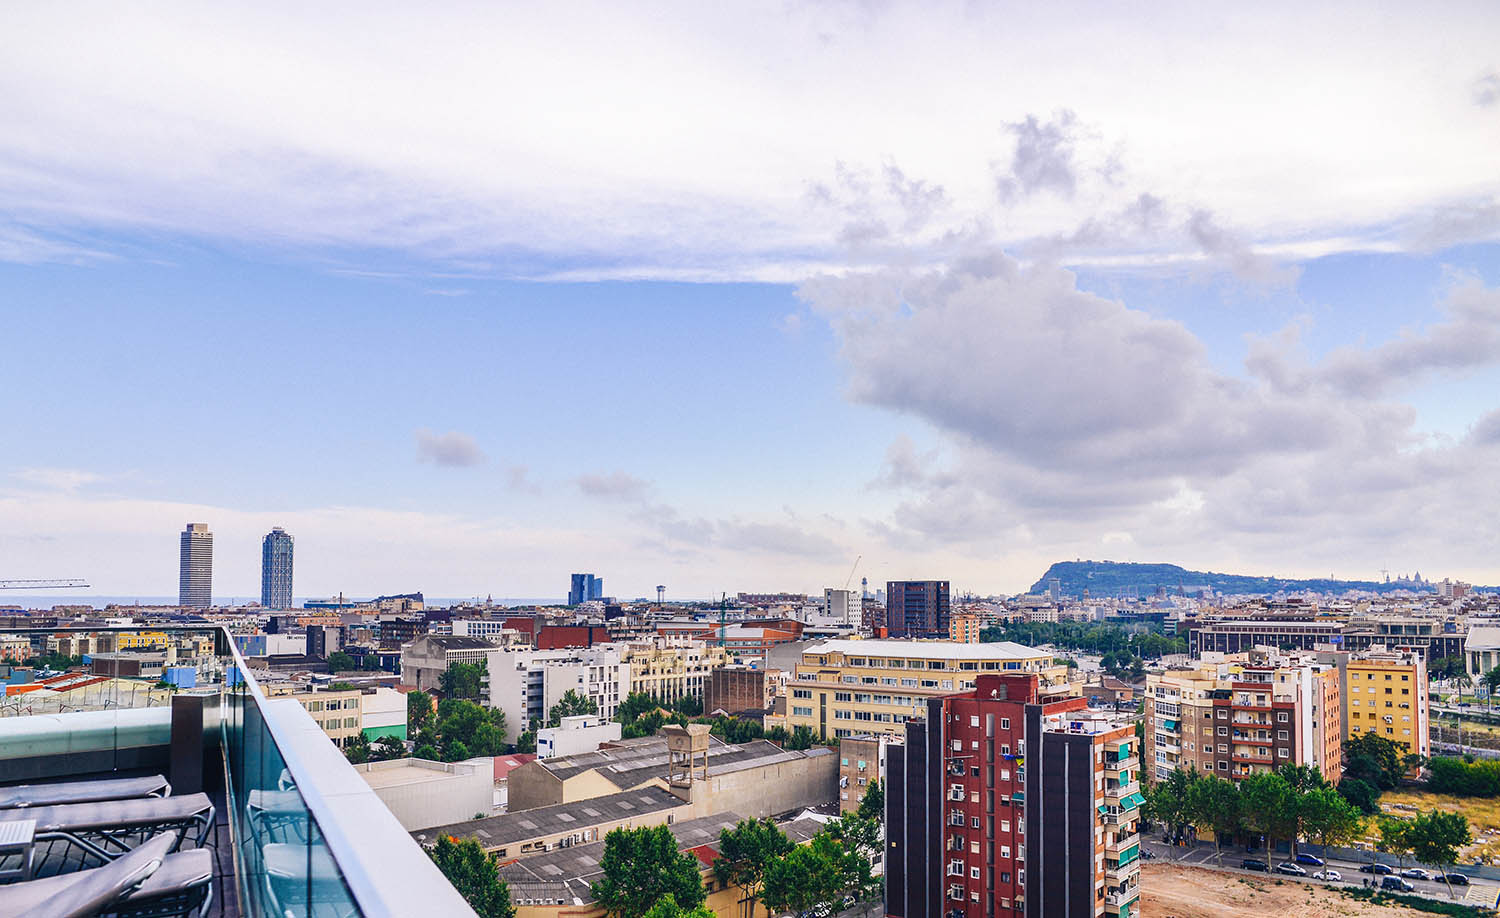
{"points": [[727, 296]]}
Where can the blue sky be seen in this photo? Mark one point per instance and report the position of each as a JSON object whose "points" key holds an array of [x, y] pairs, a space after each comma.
{"points": [[720, 299]]}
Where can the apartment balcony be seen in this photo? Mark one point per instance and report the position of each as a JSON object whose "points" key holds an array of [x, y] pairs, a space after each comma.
{"points": [[1257, 740], [1129, 763], [1115, 790], [1117, 847], [1172, 748], [1125, 869], [264, 816], [1123, 903], [1250, 757]]}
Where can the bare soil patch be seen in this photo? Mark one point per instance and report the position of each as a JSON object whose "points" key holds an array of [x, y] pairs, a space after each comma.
{"points": [[1176, 891]]}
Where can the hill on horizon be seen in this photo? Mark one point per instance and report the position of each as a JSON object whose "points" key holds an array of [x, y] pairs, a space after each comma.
{"points": [[1113, 578]]}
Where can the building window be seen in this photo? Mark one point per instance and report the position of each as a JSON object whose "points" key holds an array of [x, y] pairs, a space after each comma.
{"points": [[1005, 723]]}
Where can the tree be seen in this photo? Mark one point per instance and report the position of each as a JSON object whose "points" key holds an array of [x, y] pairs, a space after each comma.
{"points": [[570, 704], [427, 751], [667, 907], [340, 662], [1167, 801], [1395, 837], [1436, 836], [1374, 759], [859, 842], [526, 741], [463, 680], [746, 852], [640, 867], [1362, 794], [802, 738], [1214, 802], [1270, 807], [1303, 780], [1327, 816], [634, 705], [474, 875], [357, 749], [689, 705], [387, 748], [807, 879], [418, 711], [872, 804]]}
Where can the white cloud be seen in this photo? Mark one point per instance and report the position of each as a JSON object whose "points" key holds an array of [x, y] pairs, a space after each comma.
{"points": [[613, 486], [679, 142], [1065, 415]]}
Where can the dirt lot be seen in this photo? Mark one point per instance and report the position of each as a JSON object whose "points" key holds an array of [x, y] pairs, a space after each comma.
{"points": [[1172, 891], [1483, 816]]}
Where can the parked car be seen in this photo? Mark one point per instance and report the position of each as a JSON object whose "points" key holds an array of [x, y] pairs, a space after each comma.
{"points": [[1396, 883], [1457, 879], [1379, 870], [1291, 869], [1416, 873], [1328, 874], [1251, 863], [1310, 860]]}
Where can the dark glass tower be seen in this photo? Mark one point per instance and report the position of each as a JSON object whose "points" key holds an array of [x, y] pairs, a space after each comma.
{"points": [[276, 570]]}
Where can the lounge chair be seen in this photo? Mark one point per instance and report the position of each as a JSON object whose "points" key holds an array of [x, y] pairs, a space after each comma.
{"points": [[25, 795], [88, 892], [108, 829]]}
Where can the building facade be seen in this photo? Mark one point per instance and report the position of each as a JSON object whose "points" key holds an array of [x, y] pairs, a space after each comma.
{"points": [[1236, 715], [195, 577], [1385, 692], [671, 668], [1002, 803], [585, 587], [917, 608], [526, 684], [337, 712], [847, 687], [964, 628], [276, 570], [736, 689]]}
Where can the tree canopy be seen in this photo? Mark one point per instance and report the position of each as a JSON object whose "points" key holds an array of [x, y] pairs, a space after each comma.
{"points": [[872, 804], [473, 874], [747, 851], [463, 680], [340, 662], [571, 704], [642, 866]]}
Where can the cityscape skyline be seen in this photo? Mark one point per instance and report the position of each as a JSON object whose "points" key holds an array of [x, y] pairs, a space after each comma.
{"points": [[964, 317]]}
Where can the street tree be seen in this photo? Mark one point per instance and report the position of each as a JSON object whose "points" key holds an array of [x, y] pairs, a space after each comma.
{"points": [[1214, 803], [641, 866], [1329, 818], [1395, 837], [1374, 759], [357, 749], [1270, 807], [667, 907], [387, 748], [1436, 836], [746, 852], [810, 878], [473, 874], [463, 680], [1167, 801]]}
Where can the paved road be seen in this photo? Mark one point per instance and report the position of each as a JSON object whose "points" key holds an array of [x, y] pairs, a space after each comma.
{"points": [[1203, 856]]}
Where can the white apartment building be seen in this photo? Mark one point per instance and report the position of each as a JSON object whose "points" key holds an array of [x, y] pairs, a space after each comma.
{"points": [[581, 733], [525, 684], [842, 607]]}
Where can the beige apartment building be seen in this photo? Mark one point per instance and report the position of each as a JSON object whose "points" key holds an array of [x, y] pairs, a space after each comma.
{"points": [[847, 687], [1238, 714], [669, 668], [337, 712]]}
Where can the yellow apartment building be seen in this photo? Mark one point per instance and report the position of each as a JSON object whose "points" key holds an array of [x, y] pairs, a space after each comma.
{"points": [[1385, 692], [963, 628], [848, 687], [669, 668], [337, 712]]}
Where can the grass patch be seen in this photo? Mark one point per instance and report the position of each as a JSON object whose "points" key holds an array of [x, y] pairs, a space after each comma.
{"points": [[1483, 815], [1419, 903]]}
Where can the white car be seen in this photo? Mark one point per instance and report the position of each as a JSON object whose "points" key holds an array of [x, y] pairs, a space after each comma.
{"points": [[1329, 874]]}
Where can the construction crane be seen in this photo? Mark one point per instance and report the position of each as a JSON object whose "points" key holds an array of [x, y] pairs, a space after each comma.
{"points": [[850, 578], [62, 584]]}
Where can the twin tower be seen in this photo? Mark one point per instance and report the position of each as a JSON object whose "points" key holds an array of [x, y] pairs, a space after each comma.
{"points": [[196, 571]]}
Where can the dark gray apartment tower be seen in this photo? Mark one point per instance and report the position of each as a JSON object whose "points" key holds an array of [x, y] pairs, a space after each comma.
{"points": [[276, 570], [195, 577], [916, 608]]}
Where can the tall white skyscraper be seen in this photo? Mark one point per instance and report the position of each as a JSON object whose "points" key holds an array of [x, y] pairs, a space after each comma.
{"points": [[276, 570], [196, 574]]}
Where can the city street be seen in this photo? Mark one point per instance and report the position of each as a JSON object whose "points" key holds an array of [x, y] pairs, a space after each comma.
{"points": [[1479, 892]]}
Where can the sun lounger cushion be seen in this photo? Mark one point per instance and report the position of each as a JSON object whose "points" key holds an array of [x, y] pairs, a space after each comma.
{"points": [[83, 791], [113, 814], [76, 895]]}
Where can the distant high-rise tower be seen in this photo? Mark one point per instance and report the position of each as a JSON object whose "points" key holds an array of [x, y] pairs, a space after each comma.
{"points": [[584, 587], [276, 570], [196, 574], [917, 608]]}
